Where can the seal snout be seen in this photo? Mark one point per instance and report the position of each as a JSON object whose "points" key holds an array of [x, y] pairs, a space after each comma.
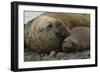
{"points": [[61, 30], [69, 45]]}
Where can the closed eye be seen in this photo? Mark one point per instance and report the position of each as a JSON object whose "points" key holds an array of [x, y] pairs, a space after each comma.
{"points": [[50, 26]]}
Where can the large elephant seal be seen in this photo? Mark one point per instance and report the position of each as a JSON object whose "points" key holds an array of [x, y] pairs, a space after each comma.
{"points": [[78, 40], [45, 34]]}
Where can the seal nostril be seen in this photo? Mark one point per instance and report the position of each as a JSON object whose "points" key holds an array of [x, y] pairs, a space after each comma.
{"points": [[58, 34]]}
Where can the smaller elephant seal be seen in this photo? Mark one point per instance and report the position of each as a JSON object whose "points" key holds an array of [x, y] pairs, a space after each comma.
{"points": [[78, 40]]}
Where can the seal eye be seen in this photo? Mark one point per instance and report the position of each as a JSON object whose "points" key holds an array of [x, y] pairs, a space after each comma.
{"points": [[50, 26]]}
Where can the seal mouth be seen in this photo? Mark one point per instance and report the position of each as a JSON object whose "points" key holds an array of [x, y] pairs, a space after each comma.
{"points": [[58, 34]]}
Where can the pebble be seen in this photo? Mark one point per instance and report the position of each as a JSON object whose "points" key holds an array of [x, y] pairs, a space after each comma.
{"points": [[52, 54], [36, 58], [45, 58], [60, 55], [27, 58]]}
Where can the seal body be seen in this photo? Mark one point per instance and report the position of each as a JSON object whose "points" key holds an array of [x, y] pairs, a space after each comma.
{"points": [[45, 34], [78, 40], [71, 20]]}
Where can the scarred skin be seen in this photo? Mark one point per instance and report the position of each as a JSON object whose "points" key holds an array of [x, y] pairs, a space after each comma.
{"points": [[78, 40]]}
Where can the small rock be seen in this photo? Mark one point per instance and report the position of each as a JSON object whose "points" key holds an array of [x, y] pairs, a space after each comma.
{"points": [[45, 58], [35, 57], [52, 54], [60, 55], [69, 56], [27, 58], [42, 54]]}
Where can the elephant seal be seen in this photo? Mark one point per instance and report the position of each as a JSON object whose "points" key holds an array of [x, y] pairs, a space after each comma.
{"points": [[45, 34], [78, 40], [71, 20]]}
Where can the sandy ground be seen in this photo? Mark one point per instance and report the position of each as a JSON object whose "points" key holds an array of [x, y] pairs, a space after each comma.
{"points": [[30, 55]]}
